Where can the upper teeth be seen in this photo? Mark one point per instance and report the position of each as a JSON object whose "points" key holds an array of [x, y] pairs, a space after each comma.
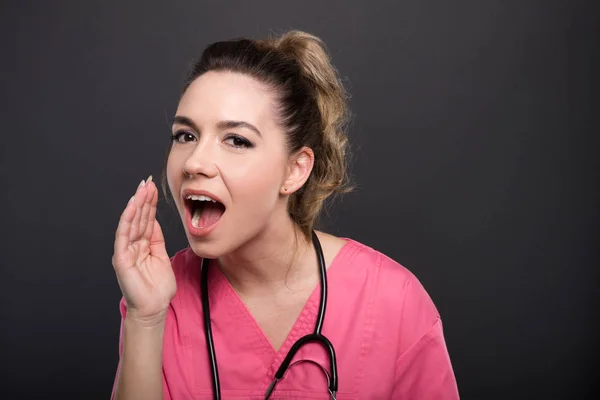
{"points": [[200, 197]]}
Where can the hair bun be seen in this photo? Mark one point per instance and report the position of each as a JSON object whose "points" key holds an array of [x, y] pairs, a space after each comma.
{"points": [[310, 53]]}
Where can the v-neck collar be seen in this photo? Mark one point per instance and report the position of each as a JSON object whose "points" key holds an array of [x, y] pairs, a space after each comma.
{"points": [[221, 290]]}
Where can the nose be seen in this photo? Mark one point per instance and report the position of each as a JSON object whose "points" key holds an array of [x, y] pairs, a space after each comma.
{"points": [[201, 161]]}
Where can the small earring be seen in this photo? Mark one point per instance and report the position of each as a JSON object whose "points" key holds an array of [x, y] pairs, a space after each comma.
{"points": [[285, 189]]}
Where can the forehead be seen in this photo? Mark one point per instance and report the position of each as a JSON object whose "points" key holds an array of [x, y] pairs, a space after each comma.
{"points": [[217, 96]]}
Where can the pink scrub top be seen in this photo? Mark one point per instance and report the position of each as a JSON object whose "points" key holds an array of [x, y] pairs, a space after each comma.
{"points": [[385, 328]]}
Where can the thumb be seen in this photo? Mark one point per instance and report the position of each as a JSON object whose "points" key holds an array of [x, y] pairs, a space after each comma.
{"points": [[157, 242]]}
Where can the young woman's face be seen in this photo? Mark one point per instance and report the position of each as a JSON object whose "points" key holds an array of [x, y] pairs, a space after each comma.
{"points": [[228, 147]]}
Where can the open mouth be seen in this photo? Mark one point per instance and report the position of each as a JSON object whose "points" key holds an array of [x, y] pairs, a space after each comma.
{"points": [[203, 210]]}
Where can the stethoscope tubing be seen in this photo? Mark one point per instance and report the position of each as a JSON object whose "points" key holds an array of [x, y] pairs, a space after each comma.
{"points": [[315, 337]]}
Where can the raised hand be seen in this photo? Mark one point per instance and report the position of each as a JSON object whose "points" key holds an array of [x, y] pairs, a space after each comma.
{"points": [[140, 258]]}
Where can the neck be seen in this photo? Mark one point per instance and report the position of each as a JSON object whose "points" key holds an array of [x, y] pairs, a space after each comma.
{"points": [[276, 258]]}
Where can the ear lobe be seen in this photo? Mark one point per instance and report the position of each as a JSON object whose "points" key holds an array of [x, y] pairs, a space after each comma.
{"points": [[299, 169]]}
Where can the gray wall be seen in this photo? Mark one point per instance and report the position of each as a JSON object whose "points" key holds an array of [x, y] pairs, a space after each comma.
{"points": [[475, 134]]}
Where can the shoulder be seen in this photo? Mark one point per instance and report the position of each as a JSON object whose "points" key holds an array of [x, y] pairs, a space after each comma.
{"points": [[389, 272], [186, 268], [185, 264], [396, 291]]}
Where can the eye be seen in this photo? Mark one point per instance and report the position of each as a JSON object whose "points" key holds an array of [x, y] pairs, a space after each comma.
{"points": [[238, 141], [183, 137]]}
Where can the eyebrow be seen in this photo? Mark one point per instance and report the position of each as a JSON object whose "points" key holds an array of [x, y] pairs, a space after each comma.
{"points": [[180, 119]]}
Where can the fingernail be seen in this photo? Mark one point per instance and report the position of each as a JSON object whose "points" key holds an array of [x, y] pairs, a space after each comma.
{"points": [[142, 183], [131, 199], [149, 179]]}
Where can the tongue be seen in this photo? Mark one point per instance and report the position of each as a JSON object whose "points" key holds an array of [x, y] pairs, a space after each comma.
{"points": [[210, 214]]}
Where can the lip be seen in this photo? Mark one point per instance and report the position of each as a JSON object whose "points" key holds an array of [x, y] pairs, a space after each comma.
{"points": [[189, 191], [193, 231]]}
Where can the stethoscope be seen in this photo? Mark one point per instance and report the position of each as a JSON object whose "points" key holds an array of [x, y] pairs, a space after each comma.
{"points": [[315, 337]]}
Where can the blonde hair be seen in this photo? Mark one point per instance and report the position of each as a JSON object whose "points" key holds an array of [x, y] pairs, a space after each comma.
{"points": [[313, 108]]}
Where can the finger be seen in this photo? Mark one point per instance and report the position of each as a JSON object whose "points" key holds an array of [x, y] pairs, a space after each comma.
{"points": [[124, 228], [145, 215], [152, 214], [139, 199]]}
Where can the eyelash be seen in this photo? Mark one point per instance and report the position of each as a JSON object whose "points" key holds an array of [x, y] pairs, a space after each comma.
{"points": [[245, 143], [177, 135]]}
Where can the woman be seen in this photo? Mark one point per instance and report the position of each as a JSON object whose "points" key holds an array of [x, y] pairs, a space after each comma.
{"points": [[258, 143]]}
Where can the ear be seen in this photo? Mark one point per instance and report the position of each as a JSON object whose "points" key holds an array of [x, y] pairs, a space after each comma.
{"points": [[298, 170]]}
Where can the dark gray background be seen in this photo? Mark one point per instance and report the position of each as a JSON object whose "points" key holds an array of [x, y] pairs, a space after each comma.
{"points": [[475, 134]]}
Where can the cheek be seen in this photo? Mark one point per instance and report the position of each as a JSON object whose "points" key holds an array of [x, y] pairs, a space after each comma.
{"points": [[256, 181]]}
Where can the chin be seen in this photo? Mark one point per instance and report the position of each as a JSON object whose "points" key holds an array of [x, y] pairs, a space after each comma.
{"points": [[203, 252], [210, 250]]}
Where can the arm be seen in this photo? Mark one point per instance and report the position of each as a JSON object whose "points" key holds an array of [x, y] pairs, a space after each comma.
{"points": [[423, 367], [424, 371], [139, 374]]}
